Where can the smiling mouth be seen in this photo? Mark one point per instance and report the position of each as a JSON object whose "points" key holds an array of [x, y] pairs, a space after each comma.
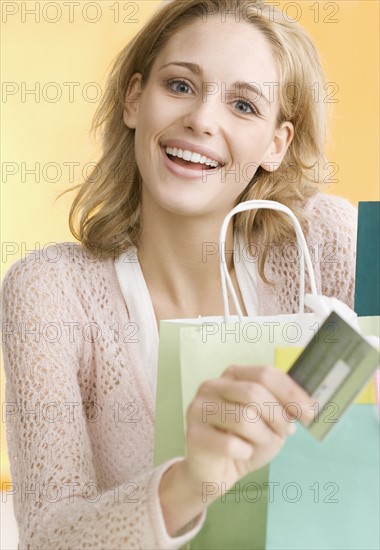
{"points": [[189, 164], [185, 158]]}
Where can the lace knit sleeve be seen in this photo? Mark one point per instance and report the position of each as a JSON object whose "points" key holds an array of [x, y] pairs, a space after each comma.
{"points": [[332, 237], [58, 500]]}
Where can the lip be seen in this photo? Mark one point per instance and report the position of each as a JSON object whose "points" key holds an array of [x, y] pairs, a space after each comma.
{"points": [[206, 151], [185, 172]]}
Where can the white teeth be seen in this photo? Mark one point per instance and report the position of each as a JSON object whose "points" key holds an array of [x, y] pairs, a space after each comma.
{"points": [[195, 157], [192, 157]]}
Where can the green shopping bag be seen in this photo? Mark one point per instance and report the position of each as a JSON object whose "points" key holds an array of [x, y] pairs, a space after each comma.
{"points": [[194, 350], [170, 442]]}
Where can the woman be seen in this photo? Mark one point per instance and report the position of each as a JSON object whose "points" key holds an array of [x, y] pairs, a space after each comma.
{"points": [[184, 141]]}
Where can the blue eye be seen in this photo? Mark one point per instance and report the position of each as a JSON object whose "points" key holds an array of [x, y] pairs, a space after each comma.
{"points": [[247, 104], [178, 81]]}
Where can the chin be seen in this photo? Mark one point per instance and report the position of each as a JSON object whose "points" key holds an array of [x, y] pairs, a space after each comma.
{"points": [[179, 200], [186, 210]]}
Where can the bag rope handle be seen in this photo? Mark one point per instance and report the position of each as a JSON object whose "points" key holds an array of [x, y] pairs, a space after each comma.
{"points": [[225, 276]]}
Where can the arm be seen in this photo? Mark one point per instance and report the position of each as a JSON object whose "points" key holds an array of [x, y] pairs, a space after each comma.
{"points": [[179, 512], [58, 499]]}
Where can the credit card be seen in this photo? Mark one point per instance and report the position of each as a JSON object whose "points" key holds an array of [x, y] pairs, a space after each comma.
{"points": [[333, 368]]}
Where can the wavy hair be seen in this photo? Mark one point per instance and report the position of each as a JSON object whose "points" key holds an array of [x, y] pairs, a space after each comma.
{"points": [[105, 213]]}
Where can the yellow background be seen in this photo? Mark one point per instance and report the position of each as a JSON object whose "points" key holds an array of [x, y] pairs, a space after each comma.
{"points": [[81, 52]]}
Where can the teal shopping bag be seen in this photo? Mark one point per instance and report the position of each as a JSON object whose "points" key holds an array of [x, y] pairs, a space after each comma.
{"points": [[367, 280], [325, 496]]}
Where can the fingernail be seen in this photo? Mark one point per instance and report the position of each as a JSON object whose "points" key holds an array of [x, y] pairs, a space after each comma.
{"points": [[291, 429], [307, 408]]}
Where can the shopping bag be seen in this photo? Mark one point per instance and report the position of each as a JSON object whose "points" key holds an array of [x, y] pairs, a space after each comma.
{"points": [[326, 495], [194, 350], [367, 280]]}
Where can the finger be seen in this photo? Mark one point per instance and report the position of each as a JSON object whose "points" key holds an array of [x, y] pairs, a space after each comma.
{"points": [[219, 442], [228, 443], [243, 403], [284, 388], [259, 403]]}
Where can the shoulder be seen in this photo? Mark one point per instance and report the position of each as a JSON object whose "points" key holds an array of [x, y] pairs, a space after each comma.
{"points": [[53, 259], [57, 267], [329, 215], [331, 221]]}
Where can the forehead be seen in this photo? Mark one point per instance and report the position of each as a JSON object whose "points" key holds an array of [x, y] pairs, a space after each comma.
{"points": [[227, 50]]}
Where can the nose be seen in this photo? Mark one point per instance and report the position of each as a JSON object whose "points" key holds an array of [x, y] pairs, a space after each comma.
{"points": [[203, 115]]}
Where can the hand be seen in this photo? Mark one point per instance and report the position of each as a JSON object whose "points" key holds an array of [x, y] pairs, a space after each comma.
{"points": [[238, 423]]}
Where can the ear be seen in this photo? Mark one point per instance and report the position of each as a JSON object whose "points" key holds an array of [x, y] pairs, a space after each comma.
{"points": [[131, 102], [280, 143]]}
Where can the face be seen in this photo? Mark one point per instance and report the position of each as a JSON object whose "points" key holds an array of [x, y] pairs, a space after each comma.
{"points": [[192, 103]]}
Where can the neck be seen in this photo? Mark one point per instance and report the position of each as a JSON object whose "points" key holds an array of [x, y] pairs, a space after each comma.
{"points": [[180, 259]]}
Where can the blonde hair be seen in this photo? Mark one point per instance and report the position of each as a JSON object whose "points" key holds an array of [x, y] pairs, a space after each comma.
{"points": [[105, 214]]}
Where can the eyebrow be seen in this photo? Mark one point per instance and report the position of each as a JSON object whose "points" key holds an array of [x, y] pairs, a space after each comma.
{"points": [[192, 66], [196, 69]]}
